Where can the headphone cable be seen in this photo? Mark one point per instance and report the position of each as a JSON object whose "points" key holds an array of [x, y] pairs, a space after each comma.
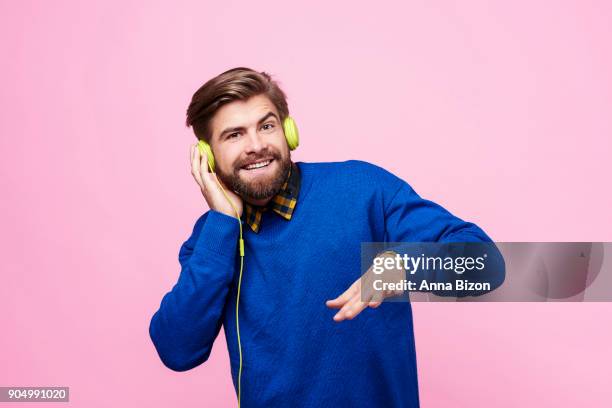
{"points": [[241, 246]]}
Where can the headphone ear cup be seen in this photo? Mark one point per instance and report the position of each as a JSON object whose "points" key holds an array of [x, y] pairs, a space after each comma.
{"points": [[206, 150], [291, 133]]}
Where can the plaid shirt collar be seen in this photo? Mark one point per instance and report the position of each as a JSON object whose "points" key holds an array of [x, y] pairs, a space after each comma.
{"points": [[283, 203]]}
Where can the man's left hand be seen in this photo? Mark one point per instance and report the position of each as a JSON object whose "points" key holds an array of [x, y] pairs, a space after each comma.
{"points": [[353, 301]]}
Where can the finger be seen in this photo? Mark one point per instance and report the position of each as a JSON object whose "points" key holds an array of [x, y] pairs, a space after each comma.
{"points": [[344, 297], [209, 178], [205, 167], [351, 309], [376, 300], [195, 166], [367, 287], [205, 177], [354, 306]]}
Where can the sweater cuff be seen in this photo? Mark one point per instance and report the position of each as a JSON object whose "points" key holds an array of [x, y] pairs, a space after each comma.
{"points": [[219, 235]]}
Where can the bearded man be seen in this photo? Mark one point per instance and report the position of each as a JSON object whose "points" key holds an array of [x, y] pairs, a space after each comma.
{"points": [[298, 331]]}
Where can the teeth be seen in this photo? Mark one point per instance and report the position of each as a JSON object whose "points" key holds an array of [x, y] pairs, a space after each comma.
{"points": [[257, 165]]}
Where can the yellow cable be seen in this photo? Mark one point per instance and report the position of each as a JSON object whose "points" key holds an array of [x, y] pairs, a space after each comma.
{"points": [[241, 247]]}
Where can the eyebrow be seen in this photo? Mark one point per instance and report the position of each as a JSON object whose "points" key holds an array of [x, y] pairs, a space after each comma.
{"points": [[241, 128]]}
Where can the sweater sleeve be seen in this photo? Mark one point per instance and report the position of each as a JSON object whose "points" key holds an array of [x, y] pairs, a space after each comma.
{"points": [[189, 318], [410, 218]]}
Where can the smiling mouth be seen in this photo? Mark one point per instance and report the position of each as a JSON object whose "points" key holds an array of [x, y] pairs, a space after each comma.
{"points": [[258, 165]]}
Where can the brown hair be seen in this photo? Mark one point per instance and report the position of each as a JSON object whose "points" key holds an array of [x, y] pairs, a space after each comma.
{"points": [[232, 85]]}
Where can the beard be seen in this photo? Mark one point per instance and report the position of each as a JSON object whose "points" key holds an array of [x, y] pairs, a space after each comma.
{"points": [[257, 189]]}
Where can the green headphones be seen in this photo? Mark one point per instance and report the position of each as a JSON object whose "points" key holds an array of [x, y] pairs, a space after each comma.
{"points": [[291, 134]]}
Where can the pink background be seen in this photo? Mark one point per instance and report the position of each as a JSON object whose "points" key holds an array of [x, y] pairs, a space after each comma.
{"points": [[500, 112]]}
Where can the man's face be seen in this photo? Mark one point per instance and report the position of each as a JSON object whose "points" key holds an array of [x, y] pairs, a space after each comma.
{"points": [[251, 153]]}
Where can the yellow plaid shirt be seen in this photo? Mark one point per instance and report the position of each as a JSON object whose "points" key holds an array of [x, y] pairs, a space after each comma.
{"points": [[283, 203]]}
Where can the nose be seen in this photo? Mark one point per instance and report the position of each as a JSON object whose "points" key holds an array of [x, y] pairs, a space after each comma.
{"points": [[255, 143]]}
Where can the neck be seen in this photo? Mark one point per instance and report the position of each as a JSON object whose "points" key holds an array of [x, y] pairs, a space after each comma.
{"points": [[259, 203]]}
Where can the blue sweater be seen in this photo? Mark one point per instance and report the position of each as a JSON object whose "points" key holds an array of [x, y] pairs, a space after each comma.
{"points": [[294, 354]]}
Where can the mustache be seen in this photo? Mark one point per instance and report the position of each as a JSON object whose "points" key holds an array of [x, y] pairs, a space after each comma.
{"points": [[265, 154]]}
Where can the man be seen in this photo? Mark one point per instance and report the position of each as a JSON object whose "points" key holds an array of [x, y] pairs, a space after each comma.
{"points": [[307, 339]]}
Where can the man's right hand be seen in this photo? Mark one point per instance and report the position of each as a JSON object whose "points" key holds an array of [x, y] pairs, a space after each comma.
{"points": [[210, 188]]}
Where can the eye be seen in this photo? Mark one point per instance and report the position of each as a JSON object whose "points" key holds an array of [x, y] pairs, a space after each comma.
{"points": [[270, 126], [232, 135]]}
